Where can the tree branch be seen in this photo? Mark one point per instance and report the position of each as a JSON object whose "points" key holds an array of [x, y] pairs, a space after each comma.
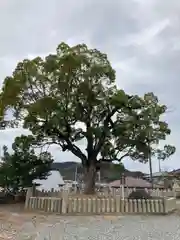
{"points": [[76, 151], [125, 155], [115, 159], [105, 160], [68, 144], [103, 136]]}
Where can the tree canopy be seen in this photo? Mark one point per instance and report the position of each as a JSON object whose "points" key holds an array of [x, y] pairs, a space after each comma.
{"points": [[19, 168], [71, 96]]}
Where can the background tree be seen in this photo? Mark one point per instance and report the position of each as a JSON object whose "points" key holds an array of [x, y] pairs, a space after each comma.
{"points": [[161, 154], [71, 96], [20, 168]]}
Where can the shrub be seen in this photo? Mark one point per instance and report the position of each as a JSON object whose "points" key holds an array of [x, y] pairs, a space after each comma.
{"points": [[6, 198], [139, 194]]}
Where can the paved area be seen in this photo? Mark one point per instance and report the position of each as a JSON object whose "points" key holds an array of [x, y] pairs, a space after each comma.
{"points": [[18, 225]]}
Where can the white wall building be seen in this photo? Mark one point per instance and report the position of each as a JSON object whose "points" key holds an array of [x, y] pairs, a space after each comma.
{"points": [[54, 180]]}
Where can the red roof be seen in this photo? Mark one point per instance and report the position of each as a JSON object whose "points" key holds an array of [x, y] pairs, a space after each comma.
{"points": [[132, 183]]}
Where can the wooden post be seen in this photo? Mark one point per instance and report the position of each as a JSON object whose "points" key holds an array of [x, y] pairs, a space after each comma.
{"points": [[28, 195], [169, 205], [34, 190], [65, 197], [122, 183]]}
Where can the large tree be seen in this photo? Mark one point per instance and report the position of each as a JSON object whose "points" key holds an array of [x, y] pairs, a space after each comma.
{"points": [[71, 97], [19, 168]]}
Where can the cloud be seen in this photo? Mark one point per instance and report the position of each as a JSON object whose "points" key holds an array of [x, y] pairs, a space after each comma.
{"points": [[140, 37], [147, 35]]}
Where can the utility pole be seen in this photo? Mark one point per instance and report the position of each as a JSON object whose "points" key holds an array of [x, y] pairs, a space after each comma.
{"points": [[150, 170], [99, 176], [150, 162], [159, 165], [75, 179], [122, 183]]}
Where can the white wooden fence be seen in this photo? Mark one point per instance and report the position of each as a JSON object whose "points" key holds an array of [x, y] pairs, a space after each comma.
{"points": [[95, 205]]}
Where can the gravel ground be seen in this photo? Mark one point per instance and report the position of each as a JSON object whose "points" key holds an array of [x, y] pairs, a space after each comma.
{"points": [[16, 225], [120, 228], [95, 228]]}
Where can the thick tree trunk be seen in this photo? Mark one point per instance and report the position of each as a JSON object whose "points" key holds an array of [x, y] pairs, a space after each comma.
{"points": [[90, 180]]}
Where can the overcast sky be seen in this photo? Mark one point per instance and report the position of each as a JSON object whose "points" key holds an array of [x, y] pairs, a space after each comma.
{"points": [[141, 38]]}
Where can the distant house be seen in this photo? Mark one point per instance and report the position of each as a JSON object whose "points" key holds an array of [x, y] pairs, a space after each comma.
{"points": [[134, 174], [70, 184], [156, 175], [161, 178], [131, 182], [54, 180], [174, 173]]}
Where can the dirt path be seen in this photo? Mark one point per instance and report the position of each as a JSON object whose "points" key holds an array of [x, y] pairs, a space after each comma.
{"points": [[14, 222]]}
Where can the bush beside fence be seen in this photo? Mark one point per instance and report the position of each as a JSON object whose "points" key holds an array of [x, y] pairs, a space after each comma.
{"points": [[151, 192], [86, 206]]}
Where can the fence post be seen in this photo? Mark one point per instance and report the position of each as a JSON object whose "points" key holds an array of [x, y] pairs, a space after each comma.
{"points": [[34, 190], [65, 196], [28, 195], [169, 205]]}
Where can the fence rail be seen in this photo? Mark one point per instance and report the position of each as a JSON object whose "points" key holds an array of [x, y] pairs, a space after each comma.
{"points": [[113, 192]]}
